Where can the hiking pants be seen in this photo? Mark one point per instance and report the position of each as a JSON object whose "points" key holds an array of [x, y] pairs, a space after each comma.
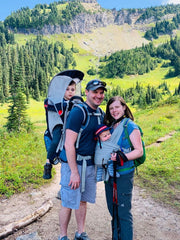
{"points": [[124, 195]]}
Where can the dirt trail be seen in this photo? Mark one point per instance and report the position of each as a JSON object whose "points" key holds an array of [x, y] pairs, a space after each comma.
{"points": [[152, 221]]}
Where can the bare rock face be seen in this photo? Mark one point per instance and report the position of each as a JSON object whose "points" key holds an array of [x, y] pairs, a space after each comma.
{"points": [[86, 22]]}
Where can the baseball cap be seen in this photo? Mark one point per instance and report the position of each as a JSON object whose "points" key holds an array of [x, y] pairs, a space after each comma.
{"points": [[101, 128], [95, 84]]}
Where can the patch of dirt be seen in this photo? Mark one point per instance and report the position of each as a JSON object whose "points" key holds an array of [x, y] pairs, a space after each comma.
{"points": [[104, 41], [152, 221], [162, 139]]}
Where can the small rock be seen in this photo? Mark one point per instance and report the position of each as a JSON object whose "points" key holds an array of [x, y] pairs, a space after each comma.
{"points": [[31, 236]]}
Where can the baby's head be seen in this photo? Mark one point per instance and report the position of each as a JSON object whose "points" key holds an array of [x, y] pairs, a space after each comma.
{"points": [[70, 90], [103, 133]]}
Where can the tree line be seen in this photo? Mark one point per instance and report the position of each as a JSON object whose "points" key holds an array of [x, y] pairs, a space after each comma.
{"points": [[42, 14], [143, 96], [142, 60], [129, 62], [32, 65], [163, 27], [158, 12]]}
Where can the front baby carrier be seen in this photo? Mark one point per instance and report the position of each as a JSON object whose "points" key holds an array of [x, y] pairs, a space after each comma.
{"points": [[56, 109]]}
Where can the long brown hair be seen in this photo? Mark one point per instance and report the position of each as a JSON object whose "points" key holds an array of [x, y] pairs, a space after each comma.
{"points": [[108, 119]]}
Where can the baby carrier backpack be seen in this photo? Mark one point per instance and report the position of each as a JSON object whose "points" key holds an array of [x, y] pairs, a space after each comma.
{"points": [[56, 110]]}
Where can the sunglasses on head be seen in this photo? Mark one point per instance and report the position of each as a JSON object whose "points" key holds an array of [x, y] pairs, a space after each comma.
{"points": [[97, 82]]}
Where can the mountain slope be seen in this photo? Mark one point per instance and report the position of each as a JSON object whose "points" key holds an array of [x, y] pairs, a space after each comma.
{"points": [[104, 41]]}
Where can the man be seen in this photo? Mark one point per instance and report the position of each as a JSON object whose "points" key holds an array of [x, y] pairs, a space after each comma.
{"points": [[78, 181]]}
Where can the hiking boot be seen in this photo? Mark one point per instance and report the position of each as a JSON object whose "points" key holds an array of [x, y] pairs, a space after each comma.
{"points": [[63, 238], [83, 236], [47, 171]]}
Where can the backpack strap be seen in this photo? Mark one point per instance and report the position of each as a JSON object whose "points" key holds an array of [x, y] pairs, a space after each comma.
{"points": [[126, 133], [99, 114], [127, 136], [84, 160]]}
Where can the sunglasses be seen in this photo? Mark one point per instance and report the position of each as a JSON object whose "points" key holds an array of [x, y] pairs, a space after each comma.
{"points": [[96, 83]]}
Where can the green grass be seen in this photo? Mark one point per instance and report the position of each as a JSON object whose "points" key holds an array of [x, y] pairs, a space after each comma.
{"points": [[156, 122], [153, 78], [21, 39], [160, 174], [22, 158]]}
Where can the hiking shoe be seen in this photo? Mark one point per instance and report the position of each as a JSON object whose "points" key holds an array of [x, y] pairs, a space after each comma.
{"points": [[63, 238], [83, 236], [47, 171]]}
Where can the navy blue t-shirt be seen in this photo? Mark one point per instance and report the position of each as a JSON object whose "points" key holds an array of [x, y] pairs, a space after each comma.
{"points": [[87, 141]]}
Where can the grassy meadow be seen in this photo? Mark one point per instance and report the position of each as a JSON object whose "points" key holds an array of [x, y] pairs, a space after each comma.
{"points": [[22, 156]]}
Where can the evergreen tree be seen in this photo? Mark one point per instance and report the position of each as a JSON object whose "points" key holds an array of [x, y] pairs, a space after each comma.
{"points": [[177, 90], [5, 75], [17, 119], [177, 66], [2, 99]]}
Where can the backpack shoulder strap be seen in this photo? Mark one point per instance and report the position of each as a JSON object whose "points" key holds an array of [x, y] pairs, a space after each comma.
{"points": [[140, 160], [85, 122], [126, 132], [98, 113], [84, 110]]}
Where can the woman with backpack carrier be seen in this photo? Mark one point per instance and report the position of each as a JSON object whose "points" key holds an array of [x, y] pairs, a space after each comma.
{"points": [[119, 186]]}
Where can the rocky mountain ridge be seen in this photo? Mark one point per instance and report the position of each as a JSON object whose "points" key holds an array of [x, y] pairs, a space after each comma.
{"points": [[84, 22], [95, 17]]}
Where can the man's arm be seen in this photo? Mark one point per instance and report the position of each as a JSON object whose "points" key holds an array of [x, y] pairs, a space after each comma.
{"points": [[70, 141]]}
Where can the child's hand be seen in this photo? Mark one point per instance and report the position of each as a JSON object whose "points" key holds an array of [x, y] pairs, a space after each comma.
{"points": [[113, 156]]}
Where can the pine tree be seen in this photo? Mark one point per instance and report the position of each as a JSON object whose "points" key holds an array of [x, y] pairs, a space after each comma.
{"points": [[2, 99], [5, 74], [17, 119]]}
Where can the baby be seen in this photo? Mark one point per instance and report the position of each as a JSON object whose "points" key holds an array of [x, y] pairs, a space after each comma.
{"points": [[107, 150], [103, 151]]}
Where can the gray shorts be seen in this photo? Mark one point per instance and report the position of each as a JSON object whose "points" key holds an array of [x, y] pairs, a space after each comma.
{"points": [[71, 198]]}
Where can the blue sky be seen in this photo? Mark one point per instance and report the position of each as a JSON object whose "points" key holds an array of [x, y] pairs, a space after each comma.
{"points": [[8, 6]]}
